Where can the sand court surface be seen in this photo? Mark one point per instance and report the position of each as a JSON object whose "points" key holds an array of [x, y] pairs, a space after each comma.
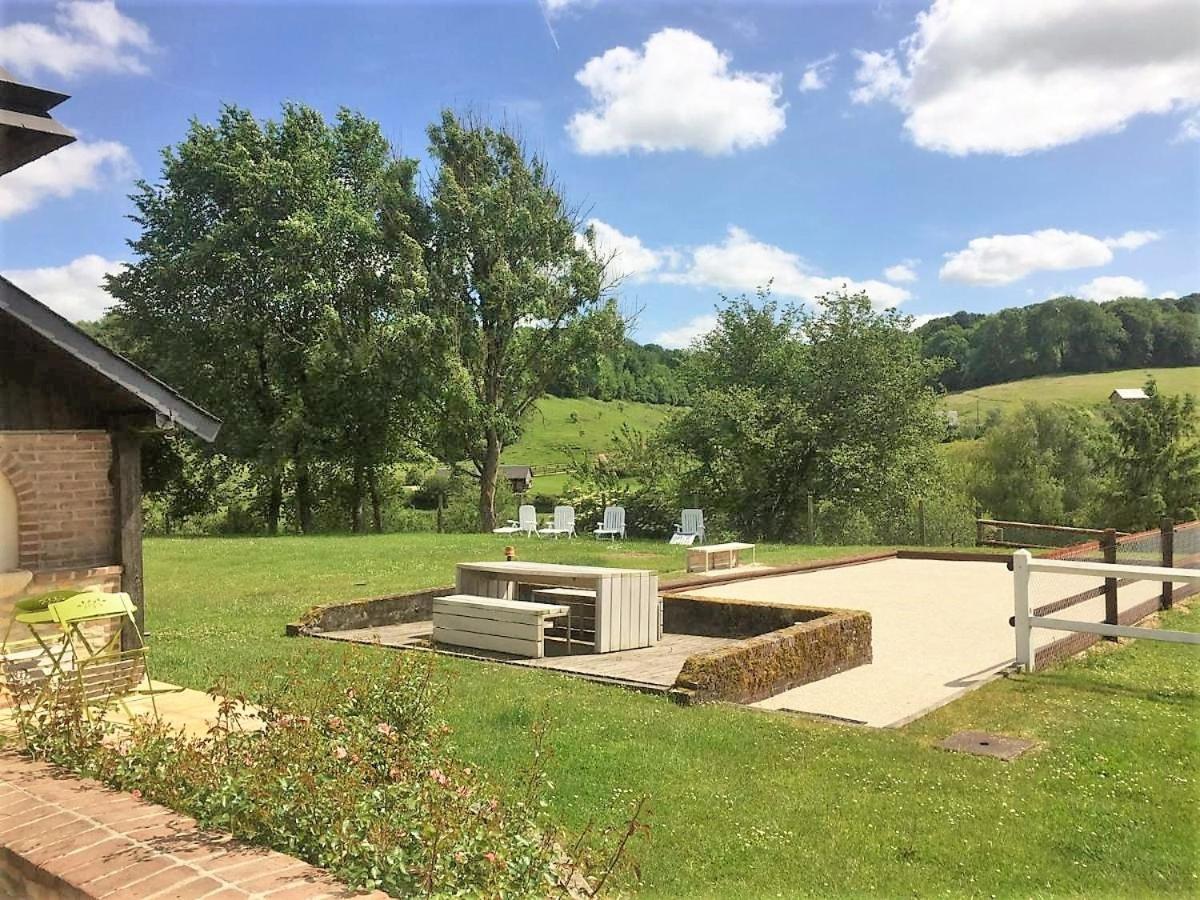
{"points": [[939, 629]]}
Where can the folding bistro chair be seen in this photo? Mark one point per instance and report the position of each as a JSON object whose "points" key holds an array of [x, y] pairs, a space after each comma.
{"points": [[76, 646]]}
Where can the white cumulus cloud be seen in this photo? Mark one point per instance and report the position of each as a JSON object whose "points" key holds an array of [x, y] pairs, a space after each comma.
{"points": [[624, 254], [901, 273], [817, 74], [741, 263], [1010, 77], [87, 36], [1005, 258], [685, 334], [80, 166], [74, 291], [676, 93], [1110, 287]]}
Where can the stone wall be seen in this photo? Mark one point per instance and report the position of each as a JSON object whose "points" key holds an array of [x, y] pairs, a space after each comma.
{"points": [[393, 610], [782, 647]]}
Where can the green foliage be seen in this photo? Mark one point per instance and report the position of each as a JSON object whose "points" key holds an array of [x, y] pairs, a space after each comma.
{"points": [[1154, 462], [354, 775], [1064, 335], [275, 282], [1042, 464], [788, 403], [522, 300]]}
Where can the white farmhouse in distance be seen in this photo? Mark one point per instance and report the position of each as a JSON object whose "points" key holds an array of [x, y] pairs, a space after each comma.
{"points": [[1127, 395]]}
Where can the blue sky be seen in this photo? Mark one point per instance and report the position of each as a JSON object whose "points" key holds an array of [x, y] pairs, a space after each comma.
{"points": [[954, 156]]}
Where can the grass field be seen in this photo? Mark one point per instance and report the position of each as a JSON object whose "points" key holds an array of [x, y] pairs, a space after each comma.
{"points": [[1077, 390], [550, 428], [745, 804]]}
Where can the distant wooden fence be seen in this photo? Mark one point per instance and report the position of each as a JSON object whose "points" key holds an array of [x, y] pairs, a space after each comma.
{"points": [[999, 533]]}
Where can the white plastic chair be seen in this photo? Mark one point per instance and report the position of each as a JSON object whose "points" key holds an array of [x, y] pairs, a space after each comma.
{"points": [[691, 522], [564, 523], [525, 523], [613, 525]]}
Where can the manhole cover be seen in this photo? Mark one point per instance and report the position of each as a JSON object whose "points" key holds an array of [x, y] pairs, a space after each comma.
{"points": [[981, 743]]}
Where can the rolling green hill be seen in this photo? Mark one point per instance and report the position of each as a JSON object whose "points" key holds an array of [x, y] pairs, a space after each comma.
{"points": [[561, 426], [1077, 390]]}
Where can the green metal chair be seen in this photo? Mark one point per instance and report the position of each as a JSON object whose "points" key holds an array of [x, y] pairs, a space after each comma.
{"points": [[81, 659]]}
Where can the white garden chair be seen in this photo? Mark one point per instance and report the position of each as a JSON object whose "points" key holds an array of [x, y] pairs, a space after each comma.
{"points": [[690, 528], [564, 523], [525, 523], [613, 525]]}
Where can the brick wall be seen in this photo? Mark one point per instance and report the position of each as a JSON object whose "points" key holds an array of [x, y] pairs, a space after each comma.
{"points": [[65, 505]]}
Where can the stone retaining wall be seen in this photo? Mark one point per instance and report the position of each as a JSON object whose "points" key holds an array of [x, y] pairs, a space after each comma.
{"points": [[392, 610]]}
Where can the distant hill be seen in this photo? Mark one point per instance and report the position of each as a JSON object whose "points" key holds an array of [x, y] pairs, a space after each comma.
{"points": [[560, 426], [1077, 390]]}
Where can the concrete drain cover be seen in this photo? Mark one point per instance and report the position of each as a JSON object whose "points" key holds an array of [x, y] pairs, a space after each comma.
{"points": [[981, 743]]}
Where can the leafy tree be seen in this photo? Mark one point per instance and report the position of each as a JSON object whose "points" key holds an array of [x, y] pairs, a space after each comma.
{"points": [[1155, 461], [1041, 464], [521, 296], [274, 282], [787, 402]]}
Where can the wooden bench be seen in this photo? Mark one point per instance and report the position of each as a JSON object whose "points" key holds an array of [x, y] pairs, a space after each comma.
{"points": [[717, 556], [488, 623]]}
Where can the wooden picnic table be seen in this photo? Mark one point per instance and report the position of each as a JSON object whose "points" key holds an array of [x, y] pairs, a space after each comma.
{"points": [[718, 556], [627, 605]]}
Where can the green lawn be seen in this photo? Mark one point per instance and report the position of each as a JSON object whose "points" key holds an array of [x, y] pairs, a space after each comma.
{"points": [[1077, 390], [746, 804]]}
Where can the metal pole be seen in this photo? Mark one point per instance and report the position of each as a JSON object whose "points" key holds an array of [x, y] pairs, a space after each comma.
{"points": [[1020, 567]]}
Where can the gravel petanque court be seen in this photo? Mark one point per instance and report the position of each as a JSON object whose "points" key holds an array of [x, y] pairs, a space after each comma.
{"points": [[939, 629]]}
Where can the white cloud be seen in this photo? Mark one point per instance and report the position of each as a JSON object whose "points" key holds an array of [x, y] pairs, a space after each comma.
{"points": [[675, 338], [676, 93], [740, 263], [625, 254], [554, 7], [80, 166], [1189, 128], [1005, 258], [85, 37], [817, 74], [901, 273], [1110, 287], [75, 290], [1131, 240], [997, 76]]}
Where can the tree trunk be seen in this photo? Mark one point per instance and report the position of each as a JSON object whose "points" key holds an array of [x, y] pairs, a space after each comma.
{"points": [[304, 512], [357, 524], [274, 502], [487, 482], [376, 500]]}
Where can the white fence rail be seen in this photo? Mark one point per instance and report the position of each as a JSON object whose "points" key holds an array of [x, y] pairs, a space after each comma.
{"points": [[1025, 564]]}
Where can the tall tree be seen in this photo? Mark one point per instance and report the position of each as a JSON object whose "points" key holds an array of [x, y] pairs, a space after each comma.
{"points": [[522, 294], [1155, 463], [787, 402], [263, 245]]}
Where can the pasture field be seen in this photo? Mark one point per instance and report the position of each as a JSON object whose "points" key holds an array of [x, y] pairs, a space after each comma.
{"points": [[743, 803], [550, 431], [1077, 390]]}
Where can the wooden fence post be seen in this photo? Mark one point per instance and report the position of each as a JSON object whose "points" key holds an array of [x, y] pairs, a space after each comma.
{"points": [[921, 521], [1167, 526], [1108, 543], [1020, 569], [812, 528]]}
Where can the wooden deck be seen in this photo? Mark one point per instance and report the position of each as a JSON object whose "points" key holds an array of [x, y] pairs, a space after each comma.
{"points": [[647, 668]]}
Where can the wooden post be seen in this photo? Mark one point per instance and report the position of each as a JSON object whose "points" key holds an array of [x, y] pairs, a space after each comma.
{"points": [[1167, 526], [441, 506], [921, 521], [127, 492], [812, 528], [1108, 543], [1020, 568]]}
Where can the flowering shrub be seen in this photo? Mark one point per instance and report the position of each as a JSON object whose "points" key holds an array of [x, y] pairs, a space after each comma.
{"points": [[359, 782]]}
